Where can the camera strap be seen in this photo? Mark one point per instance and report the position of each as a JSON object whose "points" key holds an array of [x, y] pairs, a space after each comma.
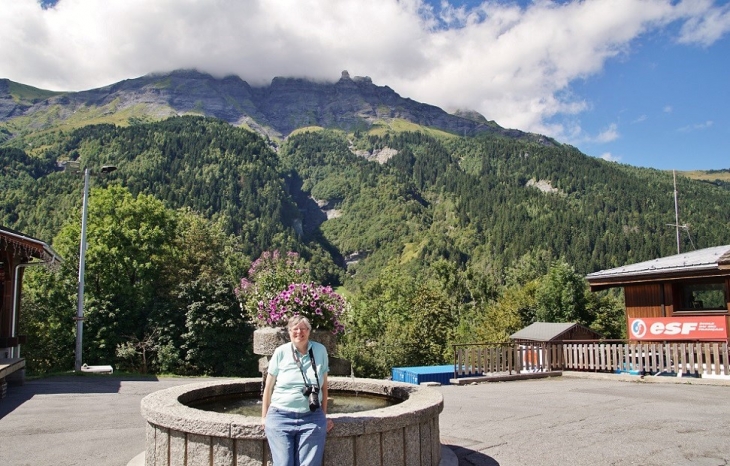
{"points": [[295, 355]]}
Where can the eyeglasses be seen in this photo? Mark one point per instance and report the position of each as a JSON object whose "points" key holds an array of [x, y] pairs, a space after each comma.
{"points": [[300, 329]]}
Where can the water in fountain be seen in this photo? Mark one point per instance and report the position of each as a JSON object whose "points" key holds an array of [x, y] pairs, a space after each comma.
{"points": [[339, 402]]}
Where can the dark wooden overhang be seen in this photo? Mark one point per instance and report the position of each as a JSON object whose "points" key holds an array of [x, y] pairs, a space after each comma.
{"points": [[26, 247]]}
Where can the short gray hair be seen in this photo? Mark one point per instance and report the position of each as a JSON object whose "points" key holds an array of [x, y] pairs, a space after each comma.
{"points": [[296, 320]]}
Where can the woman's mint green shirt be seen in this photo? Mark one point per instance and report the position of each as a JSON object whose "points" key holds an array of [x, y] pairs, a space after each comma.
{"points": [[287, 393]]}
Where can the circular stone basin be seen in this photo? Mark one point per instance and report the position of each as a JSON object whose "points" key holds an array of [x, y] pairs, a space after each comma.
{"points": [[406, 433]]}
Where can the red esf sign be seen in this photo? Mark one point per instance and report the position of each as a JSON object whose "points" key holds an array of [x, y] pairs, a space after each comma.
{"points": [[711, 328]]}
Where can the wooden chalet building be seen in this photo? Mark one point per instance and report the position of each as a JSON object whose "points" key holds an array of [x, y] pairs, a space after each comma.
{"points": [[681, 298], [17, 252], [677, 315]]}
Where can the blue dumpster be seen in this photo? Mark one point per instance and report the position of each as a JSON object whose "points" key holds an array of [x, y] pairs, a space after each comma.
{"points": [[419, 374]]}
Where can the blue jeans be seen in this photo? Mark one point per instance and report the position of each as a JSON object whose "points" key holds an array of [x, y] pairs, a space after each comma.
{"points": [[296, 439]]}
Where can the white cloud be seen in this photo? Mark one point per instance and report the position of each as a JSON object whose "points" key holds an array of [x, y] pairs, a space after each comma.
{"points": [[607, 156], [667, 109], [513, 64], [707, 27], [696, 127], [609, 134], [640, 119], [574, 134]]}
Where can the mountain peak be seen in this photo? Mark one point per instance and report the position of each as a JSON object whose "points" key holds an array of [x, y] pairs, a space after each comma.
{"points": [[276, 110]]}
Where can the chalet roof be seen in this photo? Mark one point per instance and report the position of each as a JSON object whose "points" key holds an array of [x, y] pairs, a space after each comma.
{"points": [[687, 263], [544, 331], [26, 245]]}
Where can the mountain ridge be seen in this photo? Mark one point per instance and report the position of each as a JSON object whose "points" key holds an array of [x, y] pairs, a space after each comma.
{"points": [[275, 110]]}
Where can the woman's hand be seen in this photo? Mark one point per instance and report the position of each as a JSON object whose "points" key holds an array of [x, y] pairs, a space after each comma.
{"points": [[330, 424]]}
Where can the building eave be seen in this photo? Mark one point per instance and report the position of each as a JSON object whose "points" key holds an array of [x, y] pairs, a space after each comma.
{"points": [[29, 246], [704, 263]]}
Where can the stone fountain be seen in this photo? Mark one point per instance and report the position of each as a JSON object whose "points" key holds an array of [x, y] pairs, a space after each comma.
{"points": [[404, 434]]}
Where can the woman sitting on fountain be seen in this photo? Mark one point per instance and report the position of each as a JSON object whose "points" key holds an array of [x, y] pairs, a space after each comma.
{"points": [[294, 410]]}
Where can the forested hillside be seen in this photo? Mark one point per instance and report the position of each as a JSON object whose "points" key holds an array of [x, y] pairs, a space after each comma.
{"points": [[432, 236], [497, 199]]}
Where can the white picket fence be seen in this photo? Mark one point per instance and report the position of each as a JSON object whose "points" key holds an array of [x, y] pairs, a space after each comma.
{"points": [[683, 358]]}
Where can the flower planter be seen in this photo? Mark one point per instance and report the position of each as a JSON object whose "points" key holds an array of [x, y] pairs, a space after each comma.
{"points": [[267, 339]]}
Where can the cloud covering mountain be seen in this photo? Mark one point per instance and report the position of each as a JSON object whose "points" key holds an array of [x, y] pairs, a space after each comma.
{"points": [[515, 62]]}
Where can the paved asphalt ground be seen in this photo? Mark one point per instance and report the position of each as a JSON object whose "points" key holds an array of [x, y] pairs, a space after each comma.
{"points": [[95, 420]]}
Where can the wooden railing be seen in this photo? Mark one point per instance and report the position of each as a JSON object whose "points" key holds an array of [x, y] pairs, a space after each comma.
{"points": [[486, 358], [651, 357], [691, 358]]}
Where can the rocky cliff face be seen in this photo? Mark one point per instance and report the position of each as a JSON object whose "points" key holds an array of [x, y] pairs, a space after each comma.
{"points": [[276, 110]]}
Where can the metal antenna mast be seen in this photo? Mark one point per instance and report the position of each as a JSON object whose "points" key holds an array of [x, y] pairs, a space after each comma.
{"points": [[676, 208], [676, 216]]}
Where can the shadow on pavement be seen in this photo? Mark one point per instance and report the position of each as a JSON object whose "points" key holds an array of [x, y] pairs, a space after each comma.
{"points": [[469, 457], [64, 385]]}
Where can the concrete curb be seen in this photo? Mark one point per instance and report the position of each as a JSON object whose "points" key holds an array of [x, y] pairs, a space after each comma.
{"points": [[504, 377], [448, 458], [647, 378], [595, 375]]}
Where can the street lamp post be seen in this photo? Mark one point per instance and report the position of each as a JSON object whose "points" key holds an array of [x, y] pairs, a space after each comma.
{"points": [[82, 266]]}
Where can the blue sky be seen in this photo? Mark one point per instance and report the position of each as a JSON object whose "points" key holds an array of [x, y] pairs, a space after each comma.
{"points": [[669, 104], [640, 82]]}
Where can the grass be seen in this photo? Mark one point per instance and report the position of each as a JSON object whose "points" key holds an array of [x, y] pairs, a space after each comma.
{"points": [[85, 116], [410, 252], [707, 175], [306, 129], [22, 92], [398, 125]]}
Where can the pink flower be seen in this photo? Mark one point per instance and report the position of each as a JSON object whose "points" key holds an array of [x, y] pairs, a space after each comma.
{"points": [[320, 304]]}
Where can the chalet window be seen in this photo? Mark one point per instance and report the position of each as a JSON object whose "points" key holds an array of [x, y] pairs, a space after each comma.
{"points": [[703, 297]]}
